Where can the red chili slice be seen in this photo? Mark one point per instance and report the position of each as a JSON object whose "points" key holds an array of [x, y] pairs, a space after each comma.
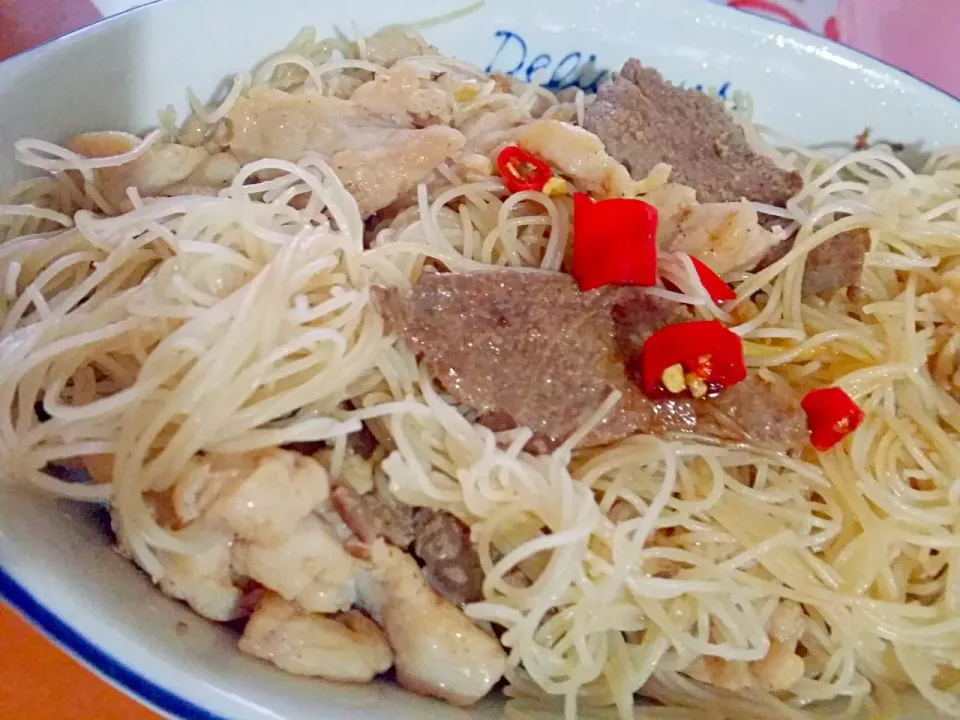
{"points": [[831, 416], [614, 242], [716, 288], [704, 348], [522, 171]]}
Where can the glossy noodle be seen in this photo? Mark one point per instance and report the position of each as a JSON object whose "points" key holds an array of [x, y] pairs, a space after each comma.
{"points": [[179, 308]]}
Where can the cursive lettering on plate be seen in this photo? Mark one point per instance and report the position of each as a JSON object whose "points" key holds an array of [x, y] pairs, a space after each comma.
{"points": [[516, 57]]}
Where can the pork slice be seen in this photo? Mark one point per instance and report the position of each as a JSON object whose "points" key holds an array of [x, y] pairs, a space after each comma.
{"points": [[644, 120], [528, 349], [439, 540], [370, 516], [637, 315], [450, 561]]}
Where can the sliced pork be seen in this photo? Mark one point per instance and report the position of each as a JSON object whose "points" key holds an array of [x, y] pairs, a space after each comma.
{"points": [[768, 414], [450, 561], [644, 120], [370, 517], [528, 349], [438, 539]]}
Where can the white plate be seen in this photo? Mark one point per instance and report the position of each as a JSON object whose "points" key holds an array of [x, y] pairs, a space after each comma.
{"points": [[56, 566]]}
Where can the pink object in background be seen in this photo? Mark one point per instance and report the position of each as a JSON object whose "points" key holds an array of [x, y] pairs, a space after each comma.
{"points": [[919, 36]]}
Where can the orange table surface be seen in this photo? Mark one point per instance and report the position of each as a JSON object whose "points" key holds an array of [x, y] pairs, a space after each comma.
{"points": [[38, 681]]}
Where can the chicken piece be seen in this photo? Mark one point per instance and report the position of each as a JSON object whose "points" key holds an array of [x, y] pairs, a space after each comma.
{"points": [[160, 166], [378, 176], [204, 581], [670, 200], [488, 131], [400, 95], [209, 178], [355, 471], [439, 651], [310, 568], [272, 123], [391, 44], [732, 675], [725, 236], [579, 155], [787, 623], [261, 496], [474, 167], [344, 648], [376, 160], [782, 667], [779, 670]]}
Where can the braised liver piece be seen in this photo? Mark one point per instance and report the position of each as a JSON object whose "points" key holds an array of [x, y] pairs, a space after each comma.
{"points": [[644, 120], [530, 350], [835, 264]]}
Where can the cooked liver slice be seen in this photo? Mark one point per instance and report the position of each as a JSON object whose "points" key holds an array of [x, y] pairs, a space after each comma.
{"points": [[837, 263], [767, 414], [644, 120], [530, 350]]}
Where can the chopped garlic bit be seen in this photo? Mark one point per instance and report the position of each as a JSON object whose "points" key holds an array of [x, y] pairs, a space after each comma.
{"points": [[673, 379], [465, 93], [555, 187], [476, 165], [698, 388]]}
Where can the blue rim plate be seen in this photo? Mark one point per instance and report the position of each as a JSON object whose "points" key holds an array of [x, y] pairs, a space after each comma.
{"points": [[106, 666]]}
